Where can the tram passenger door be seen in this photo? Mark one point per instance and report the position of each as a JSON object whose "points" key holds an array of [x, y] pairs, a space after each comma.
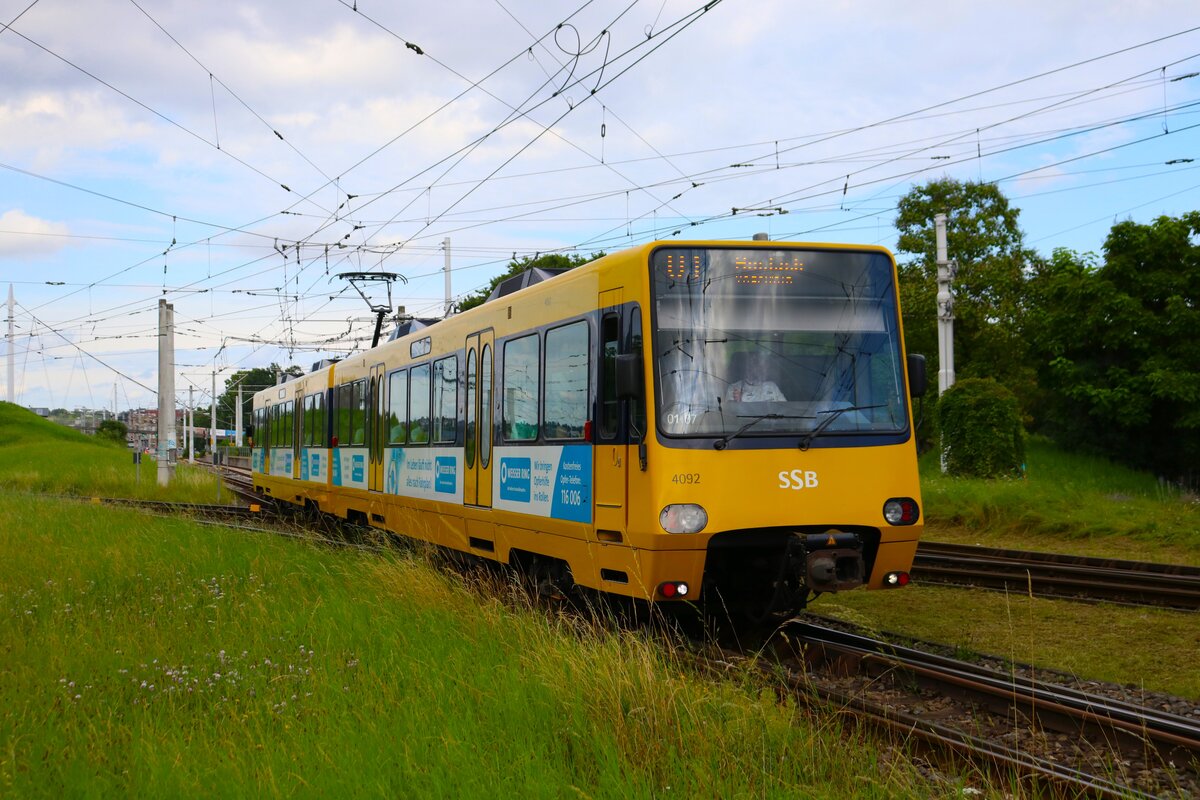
{"points": [[611, 451], [376, 427], [477, 452]]}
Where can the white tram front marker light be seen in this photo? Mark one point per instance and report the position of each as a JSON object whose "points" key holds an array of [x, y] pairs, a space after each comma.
{"points": [[683, 518]]}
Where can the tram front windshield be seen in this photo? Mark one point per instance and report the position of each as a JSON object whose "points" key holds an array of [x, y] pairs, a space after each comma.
{"points": [[776, 342]]}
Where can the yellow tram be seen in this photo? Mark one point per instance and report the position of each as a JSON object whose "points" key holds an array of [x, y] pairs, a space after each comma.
{"points": [[677, 421]]}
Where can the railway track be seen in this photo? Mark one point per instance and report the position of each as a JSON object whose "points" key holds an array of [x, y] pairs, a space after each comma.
{"points": [[1059, 739], [192, 509], [239, 481], [1051, 575]]}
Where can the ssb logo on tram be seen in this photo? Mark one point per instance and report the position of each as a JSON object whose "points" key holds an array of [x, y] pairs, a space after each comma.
{"points": [[798, 479]]}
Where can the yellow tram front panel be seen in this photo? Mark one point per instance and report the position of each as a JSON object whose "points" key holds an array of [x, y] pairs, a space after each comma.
{"points": [[834, 488]]}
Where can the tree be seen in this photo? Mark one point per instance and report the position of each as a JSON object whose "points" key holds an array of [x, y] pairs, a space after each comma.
{"points": [[519, 265], [989, 289], [110, 430], [251, 381], [1119, 344], [981, 430]]}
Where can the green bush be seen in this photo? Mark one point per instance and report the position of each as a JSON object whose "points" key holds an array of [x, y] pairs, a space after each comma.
{"points": [[112, 431], [980, 425]]}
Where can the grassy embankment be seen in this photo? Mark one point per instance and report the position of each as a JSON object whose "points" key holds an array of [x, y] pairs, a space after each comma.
{"points": [[1088, 504], [39, 456], [1067, 504], [158, 657]]}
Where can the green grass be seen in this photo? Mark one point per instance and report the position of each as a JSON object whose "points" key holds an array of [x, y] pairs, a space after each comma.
{"points": [[40, 456], [1066, 503], [150, 656], [1153, 649]]}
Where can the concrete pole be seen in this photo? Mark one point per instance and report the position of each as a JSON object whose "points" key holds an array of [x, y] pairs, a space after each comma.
{"points": [[12, 392], [945, 308], [238, 417], [166, 390], [446, 247], [191, 425], [212, 423]]}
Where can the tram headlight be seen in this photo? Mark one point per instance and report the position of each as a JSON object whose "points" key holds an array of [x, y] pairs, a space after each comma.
{"points": [[901, 511], [683, 518]]}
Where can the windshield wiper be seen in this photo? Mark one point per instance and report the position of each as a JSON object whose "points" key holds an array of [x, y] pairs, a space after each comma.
{"points": [[721, 443], [833, 413]]}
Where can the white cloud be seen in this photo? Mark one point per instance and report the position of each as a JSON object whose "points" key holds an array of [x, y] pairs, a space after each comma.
{"points": [[23, 236]]}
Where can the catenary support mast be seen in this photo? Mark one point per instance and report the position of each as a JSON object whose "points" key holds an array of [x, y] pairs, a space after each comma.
{"points": [[945, 308], [12, 392], [166, 391]]}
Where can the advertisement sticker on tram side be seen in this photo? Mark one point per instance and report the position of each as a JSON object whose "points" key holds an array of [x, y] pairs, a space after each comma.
{"points": [[312, 465], [552, 481], [281, 462], [432, 473], [350, 467]]}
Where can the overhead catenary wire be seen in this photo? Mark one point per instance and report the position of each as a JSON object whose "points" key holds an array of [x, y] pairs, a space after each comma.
{"points": [[411, 245]]}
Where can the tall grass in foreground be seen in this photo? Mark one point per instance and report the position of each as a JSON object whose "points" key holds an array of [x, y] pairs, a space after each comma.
{"points": [[157, 657], [37, 455], [1064, 496]]}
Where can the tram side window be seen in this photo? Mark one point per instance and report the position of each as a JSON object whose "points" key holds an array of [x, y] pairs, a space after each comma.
{"points": [[418, 405], [342, 409], [610, 406], [567, 369], [312, 424], [317, 438], [397, 415], [285, 424], [522, 386], [633, 344], [358, 404], [445, 400]]}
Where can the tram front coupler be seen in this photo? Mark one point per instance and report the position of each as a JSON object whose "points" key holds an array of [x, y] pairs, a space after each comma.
{"points": [[831, 561]]}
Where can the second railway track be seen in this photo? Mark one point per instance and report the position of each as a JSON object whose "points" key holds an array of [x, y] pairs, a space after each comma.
{"points": [[1054, 575]]}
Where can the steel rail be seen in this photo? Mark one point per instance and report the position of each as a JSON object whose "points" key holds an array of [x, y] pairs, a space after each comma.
{"points": [[1001, 756], [1075, 782], [176, 507], [1056, 707], [1054, 575]]}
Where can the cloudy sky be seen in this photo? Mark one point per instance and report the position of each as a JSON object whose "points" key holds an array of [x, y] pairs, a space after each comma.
{"points": [[236, 157]]}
